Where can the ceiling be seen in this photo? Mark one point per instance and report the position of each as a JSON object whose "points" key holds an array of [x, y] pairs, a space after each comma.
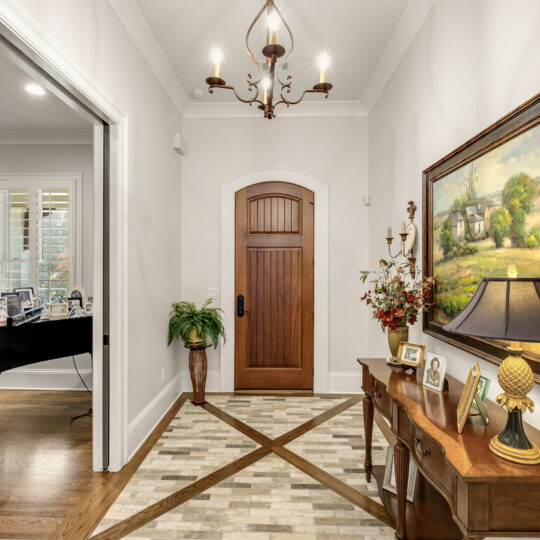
{"points": [[354, 33], [24, 113]]}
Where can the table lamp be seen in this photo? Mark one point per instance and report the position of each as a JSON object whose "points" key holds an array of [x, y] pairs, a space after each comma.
{"points": [[508, 309]]}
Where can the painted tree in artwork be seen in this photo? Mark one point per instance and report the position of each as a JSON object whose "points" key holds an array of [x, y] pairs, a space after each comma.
{"points": [[518, 198], [500, 223]]}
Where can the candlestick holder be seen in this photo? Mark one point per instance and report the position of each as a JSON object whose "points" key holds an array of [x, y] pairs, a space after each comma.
{"points": [[408, 236]]}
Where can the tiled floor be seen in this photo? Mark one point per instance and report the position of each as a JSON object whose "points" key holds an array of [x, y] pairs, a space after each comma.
{"points": [[268, 500]]}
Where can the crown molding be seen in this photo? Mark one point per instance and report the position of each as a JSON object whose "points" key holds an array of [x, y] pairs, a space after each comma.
{"points": [[408, 26], [136, 25], [236, 109], [45, 137]]}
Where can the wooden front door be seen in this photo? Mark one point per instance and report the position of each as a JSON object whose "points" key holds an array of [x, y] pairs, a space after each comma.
{"points": [[274, 275]]}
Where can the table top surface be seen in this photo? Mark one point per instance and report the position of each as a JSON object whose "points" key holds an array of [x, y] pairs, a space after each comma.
{"points": [[435, 413]]}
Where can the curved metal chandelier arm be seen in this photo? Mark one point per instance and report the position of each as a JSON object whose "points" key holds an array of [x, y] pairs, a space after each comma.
{"points": [[257, 17], [288, 103], [286, 59], [239, 98]]}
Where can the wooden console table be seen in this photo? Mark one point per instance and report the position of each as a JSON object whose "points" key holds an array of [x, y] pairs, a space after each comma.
{"points": [[463, 490]]}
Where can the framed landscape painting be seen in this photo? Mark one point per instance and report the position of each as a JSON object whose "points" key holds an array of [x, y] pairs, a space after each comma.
{"points": [[481, 215]]}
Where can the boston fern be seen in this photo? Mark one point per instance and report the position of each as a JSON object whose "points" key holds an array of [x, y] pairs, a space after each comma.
{"points": [[185, 318]]}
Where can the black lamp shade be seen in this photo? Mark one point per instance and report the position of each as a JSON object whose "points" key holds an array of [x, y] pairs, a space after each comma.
{"points": [[502, 308]]}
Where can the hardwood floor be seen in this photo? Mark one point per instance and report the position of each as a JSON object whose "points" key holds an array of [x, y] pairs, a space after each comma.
{"points": [[45, 461]]}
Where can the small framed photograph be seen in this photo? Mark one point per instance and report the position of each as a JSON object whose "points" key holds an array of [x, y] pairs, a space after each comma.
{"points": [[13, 303], [467, 396], [77, 292], [74, 301], [482, 390], [89, 308], [58, 311], [27, 296], [389, 481], [434, 372], [3, 308], [411, 354]]}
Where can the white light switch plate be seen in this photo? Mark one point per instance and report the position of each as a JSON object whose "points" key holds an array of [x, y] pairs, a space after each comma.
{"points": [[213, 292]]}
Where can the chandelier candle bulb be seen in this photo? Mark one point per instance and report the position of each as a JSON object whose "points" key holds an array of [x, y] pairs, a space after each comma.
{"points": [[389, 232], [323, 64], [217, 58], [273, 23], [403, 228]]}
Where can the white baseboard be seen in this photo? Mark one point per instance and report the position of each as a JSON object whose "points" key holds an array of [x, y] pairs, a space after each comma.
{"points": [[146, 421], [45, 379], [344, 382], [339, 382]]}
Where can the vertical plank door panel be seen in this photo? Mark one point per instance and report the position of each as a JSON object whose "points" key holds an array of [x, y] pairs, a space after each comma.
{"points": [[274, 273]]}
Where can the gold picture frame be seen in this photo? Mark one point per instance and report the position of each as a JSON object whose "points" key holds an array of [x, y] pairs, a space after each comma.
{"points": [[411, 354], [467, 396]]}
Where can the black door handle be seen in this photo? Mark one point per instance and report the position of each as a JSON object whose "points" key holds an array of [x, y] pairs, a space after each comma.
{"points": [[240, 305]]}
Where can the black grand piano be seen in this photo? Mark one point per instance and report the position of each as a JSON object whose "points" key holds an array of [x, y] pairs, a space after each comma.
{"points": [[37, 341]]}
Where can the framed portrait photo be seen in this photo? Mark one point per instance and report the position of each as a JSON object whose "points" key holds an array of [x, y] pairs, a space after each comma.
{"points": [[434, 372], [27, 296], [77, 292], [411, 354], [467, 396]]}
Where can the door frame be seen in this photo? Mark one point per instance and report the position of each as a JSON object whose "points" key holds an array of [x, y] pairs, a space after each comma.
{"points": [[228, 257], [65, 77]]}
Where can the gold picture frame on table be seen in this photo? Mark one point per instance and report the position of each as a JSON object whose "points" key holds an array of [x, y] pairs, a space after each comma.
{"points": [[467, 396], [411, 354]]}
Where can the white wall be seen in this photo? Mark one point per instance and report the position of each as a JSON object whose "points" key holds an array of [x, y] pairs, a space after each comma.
{"points": [[92, 36], [333, 150], [56, 158], [470, 64]]}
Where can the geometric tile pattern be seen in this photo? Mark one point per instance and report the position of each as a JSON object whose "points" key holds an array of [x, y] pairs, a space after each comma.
{"points": [[195, 444], [274, 415], [271, 499], [337, 447], [266, 498]]}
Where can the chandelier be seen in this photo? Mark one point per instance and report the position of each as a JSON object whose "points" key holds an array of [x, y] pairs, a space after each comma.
{"points": [[269, 86]]}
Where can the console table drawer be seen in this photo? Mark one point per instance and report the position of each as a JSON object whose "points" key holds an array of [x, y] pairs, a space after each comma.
{"points": [[431, 459], [382, 400]]}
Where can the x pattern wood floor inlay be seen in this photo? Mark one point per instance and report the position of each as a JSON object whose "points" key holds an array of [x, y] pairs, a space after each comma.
{"points": [[236, 481]]}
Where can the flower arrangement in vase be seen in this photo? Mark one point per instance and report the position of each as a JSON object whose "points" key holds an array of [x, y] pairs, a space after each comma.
{"points": [[396, 302]]}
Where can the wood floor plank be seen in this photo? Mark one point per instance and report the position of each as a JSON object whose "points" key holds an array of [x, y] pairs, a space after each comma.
{"points": [[250, 432], [288, 437], [152, 512], [352, 495], [46, 460], [107, 486]]}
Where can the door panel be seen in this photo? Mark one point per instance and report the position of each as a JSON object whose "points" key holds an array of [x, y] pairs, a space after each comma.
{"points": [[274, 273]]}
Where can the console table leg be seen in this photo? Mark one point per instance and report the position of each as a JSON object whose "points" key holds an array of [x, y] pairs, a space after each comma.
{"points": [[401, 465], [368, 433]]}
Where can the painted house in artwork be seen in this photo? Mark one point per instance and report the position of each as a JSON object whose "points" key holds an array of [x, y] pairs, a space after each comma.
{"points": [[475, 216], [478, 218], [458, 225]]}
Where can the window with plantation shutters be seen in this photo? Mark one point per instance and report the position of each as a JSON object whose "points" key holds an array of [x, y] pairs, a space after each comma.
{"points": [[38, 232]]}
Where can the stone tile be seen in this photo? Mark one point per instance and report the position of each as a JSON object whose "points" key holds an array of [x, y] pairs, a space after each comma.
{"points": [[337, 447], [274, 513], [195, 444], [274, 416]]}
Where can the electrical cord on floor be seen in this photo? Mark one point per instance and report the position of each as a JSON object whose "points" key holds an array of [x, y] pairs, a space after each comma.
{"points": [[80, 377]]}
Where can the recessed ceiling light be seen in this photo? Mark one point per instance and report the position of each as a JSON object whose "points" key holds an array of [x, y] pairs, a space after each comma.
{"points": [[35, 89], [197, 93]]}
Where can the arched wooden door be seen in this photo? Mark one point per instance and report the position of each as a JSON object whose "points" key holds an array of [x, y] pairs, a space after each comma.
{"points": [[274, 287]]}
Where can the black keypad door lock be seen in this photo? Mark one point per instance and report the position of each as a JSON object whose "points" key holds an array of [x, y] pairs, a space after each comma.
{"points": [[240, 305]]}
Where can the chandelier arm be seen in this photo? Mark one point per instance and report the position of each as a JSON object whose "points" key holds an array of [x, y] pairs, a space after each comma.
{"points": [[257, 17], [286, 59], [239, 98], [288, 103]]}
